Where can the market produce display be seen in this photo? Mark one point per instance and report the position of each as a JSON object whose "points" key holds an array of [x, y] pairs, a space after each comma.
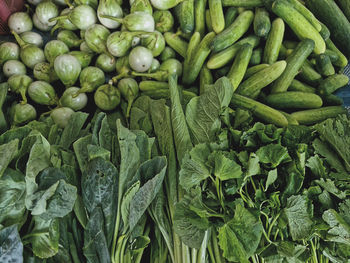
{"points": [[175, 131]]}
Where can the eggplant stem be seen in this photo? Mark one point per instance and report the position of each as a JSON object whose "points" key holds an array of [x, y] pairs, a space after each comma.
{"points": [[117, 19]]}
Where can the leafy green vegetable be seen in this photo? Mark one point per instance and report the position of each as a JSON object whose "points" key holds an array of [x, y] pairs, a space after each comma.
{"points": [[11, 247]]}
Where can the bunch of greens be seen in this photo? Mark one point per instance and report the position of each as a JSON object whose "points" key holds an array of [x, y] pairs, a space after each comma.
{"points": [[77, 194]]}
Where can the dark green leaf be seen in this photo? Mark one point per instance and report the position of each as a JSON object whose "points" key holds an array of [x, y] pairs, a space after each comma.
{"points": [[81, 152], [273, 155], [239, 238], [271, 178], [330, 187], [339, 229], [72, 131], [299, 212], [203, 112], [7, 152], [316, 166], [95, 151], [224, 167], [11, 248]]}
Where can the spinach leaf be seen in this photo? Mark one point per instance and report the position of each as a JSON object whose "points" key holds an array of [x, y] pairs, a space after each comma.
{"points": [[339, 229], [7, 152], [12, 195], [125, 205], [100, 189], [239, 238], [11, 247], [72, 131], [180, 130], [224, 167], [153, 171], [299, 212], [203, 112], [81, 152], [44, 237], [95, 243], [273, 155]]}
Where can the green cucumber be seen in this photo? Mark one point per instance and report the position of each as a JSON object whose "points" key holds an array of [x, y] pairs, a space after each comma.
{"points": [[243, 3], [307, 14], [252, 86], [290, 44], [294, 62], [252, 70], [208, 21], [185, 14], [345, 7], [216, 15], [309, 74], [192, 46], [274, 41], [191, 71], [220, 59], [230, 16], [291, 120], [325, 33], [333, 17], [299, 24], [309, 117], [239, 66], [324, 65], [332, 83], [297, 85], [262, 23], [176, 43], [205, 79], [199, 16], [294, 100], [332, 100], [259, 110], [283, 52], [256, 57], [234, 32], [342, 60], [333, 56]]}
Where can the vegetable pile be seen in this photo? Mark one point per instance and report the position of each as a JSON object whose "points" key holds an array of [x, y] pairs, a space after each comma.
{"points": [[183, 131]]}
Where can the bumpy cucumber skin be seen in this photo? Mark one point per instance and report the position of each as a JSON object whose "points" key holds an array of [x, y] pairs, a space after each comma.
{"points": [[176, 43], [309, 74], [299, 24], [297, 85], [274, 41], [332, 83], [294, 100], [217, 15], [309, 117], [294, 63], [342, 61], [324, 65], [243, 3], [254, 69], [262, 23], [260, 110]]}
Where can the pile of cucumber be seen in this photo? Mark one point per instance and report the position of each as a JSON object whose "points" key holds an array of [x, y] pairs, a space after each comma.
{"points": [[284, 58]]}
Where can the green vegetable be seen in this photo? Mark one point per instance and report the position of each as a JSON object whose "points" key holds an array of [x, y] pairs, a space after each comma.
{"points": [[42, 93], [45, 72], [274, 41], [243, 3], [41, 26], [84, 58], [176, 43], [164, 4], [20, 22], [256, 57], [332, 83], [217, 15], [234, 32], [13, 67], [324, 65], [53, 49], [45, 11], [32, 38], [308, 117], [262, 23], [342, 60], [64, 23], [61, 116], [22, 113], [140, 59], [164, 20], [105, 62], [141, 6], [154, 42], [294, 63], [107, 97], [199, 16], [91, 78], [110, 8], [297, 85], [119, 43], [294, 100], [129, 89], [19, 84], [8, 51], [67, 68], [73, 98], [69, 38], [96, 38]]}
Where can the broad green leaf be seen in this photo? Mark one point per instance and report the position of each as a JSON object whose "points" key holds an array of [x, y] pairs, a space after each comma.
{"points": [[140, 243], [100, 189], [273, 155], [344, 210], [12, 195], [294, 180], [188, 225], [97, 120], [182, 137], [331, 157], [126, 201], [7, 152], [316, 166], [299, 212], [154, 171], [11, 247], [71, 132], [80, 212], [95, 244], [44, 237], [193, 168], [16, 133], [225, 168], [239, 238], [81, 152], [271, 178], [40, 199], [296, 134], [339, 229], [95, 151], [140, 118], [39, 159], [203, 112], [253, 166], [330, 187]]}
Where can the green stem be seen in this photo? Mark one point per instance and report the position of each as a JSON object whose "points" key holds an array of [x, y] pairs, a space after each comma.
{"points": [[186, 255], [159, 75], [19, 40], [122, 250], [272, 224], [129, 108], [117, 19], [194, 253], [210, 250], [58, 18], [116, 256], [216, 248], [201, 258], [116, 230], [120, 76]]}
